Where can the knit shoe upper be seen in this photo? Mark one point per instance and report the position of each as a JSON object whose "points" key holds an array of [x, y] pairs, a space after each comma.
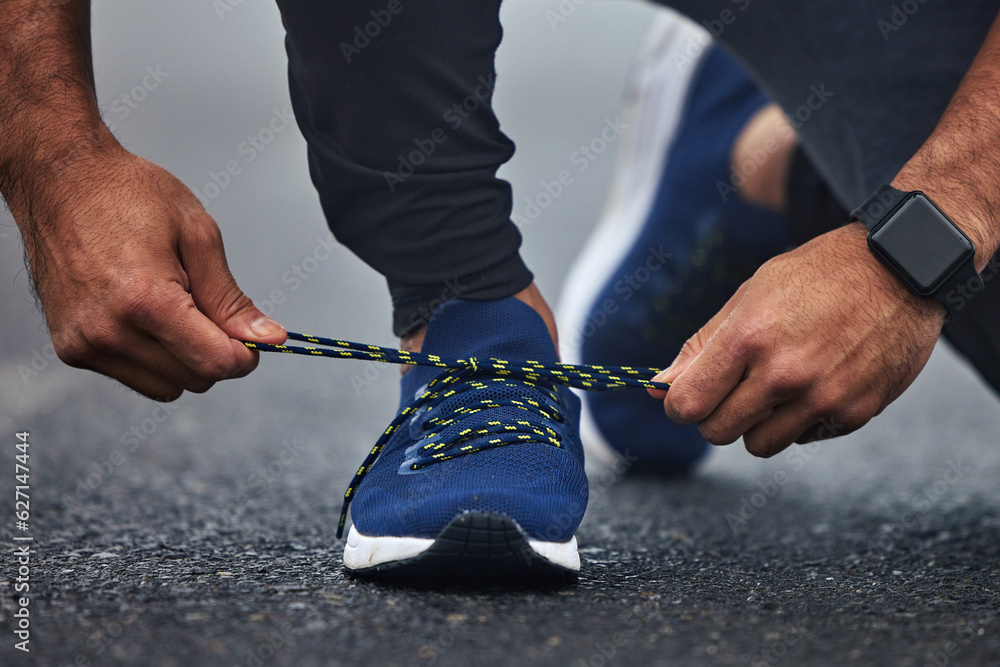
{"points": [[479, 442], [699, 242]]}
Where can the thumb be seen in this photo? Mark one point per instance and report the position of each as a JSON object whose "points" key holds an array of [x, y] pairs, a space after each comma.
{"points": [[220, 299], [694, 346]]}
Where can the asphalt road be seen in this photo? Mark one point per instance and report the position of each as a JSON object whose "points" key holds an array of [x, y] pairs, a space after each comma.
{"points": [[201, 533]]}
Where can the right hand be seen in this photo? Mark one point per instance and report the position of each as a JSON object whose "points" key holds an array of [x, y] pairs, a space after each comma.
{"points": [[132, 275]]}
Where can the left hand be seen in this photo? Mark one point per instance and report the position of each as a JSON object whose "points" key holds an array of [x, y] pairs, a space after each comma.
{"points": [[815, 344]]}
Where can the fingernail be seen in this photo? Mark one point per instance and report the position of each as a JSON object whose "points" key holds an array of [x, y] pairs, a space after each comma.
{"points": [[662, 374], [265, 326]]}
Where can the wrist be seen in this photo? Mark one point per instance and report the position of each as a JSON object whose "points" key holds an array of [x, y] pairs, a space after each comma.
{"points": [[967, 207], [39, 168], [882, 279]]}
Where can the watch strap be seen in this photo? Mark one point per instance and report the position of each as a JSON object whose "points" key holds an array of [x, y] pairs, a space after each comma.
{"points": [[956, 293], [878, 206]]}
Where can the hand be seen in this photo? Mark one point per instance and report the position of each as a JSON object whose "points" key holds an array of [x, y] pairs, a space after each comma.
{"points": [[133, 279], [815, 344]]}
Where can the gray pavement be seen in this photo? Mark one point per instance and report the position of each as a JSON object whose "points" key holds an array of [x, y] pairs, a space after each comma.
{"points": [[201, 533]]}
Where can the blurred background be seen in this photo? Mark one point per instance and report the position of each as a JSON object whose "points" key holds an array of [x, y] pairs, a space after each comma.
{"points": [[183, 476]]}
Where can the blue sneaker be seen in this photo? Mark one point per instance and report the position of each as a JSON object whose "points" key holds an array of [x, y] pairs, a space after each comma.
{"points": [[666, 257], [485, 482]]}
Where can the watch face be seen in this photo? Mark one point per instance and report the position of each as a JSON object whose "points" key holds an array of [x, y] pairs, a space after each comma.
{"points": [[922, 244]]}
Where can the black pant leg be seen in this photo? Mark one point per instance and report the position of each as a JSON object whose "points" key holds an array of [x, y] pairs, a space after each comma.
{"points": [[394, 99]]}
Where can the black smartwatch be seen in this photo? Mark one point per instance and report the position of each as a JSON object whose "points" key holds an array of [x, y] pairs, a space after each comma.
{"points": [[926, 250]]}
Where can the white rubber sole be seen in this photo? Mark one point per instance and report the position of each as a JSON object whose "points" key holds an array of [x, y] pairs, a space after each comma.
{"points": [[657, 90], [363, 552]]}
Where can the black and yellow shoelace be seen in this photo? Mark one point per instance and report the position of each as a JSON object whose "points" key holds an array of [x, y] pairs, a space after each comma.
{"points": [[469, 374]]}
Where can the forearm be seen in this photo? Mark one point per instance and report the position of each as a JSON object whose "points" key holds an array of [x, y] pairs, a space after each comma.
{"points": [[48, 109], [959, 165]]}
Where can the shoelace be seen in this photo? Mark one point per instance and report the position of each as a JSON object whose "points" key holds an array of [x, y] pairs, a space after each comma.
{"points": [[468, 375]]}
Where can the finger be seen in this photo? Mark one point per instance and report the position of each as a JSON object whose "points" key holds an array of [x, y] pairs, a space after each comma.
{"points": [[709, 378], [747, 405], [826, 428], [810, 416], [694, 345], [145, 352], [135, 377], [689, 352], [215, 290], [795, 421], [752, 400], [167, 313]]}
